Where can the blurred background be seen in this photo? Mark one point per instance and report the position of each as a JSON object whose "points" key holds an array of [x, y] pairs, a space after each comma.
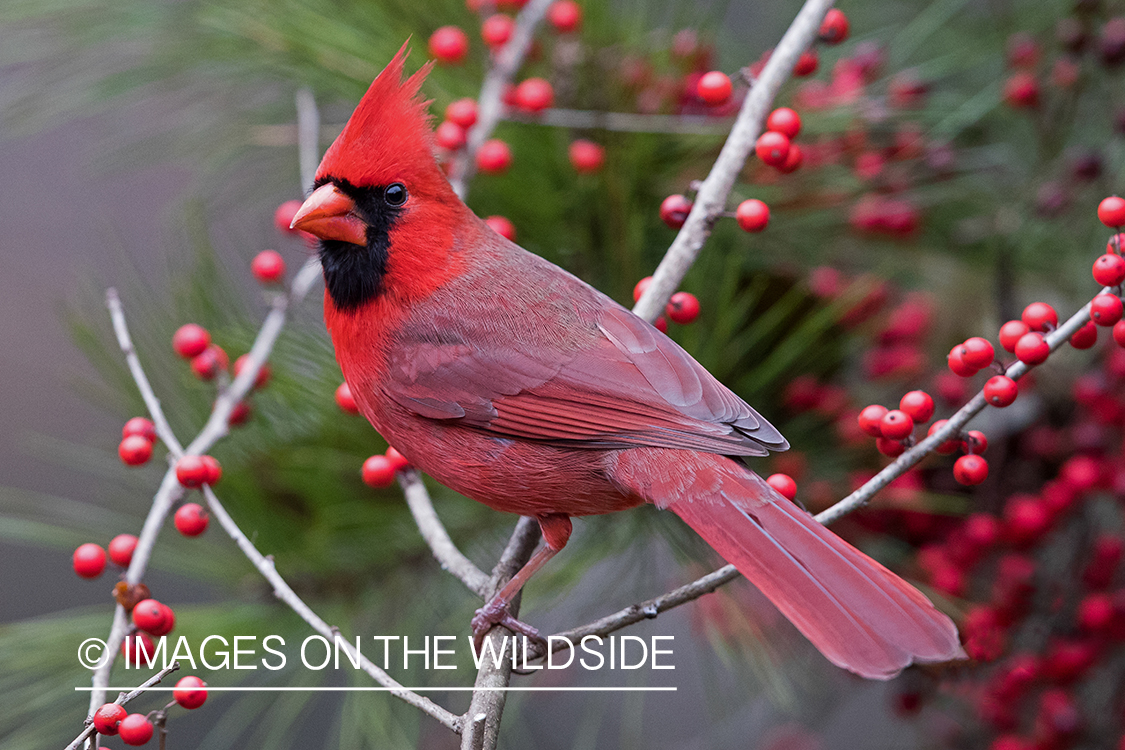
{"points": [[954, 154]]}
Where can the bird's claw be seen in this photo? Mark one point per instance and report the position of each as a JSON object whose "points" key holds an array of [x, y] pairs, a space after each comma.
{"points": [[496, 613]]}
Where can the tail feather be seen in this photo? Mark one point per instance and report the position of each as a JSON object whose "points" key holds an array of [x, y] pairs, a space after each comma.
{"points": [[860, 615]]}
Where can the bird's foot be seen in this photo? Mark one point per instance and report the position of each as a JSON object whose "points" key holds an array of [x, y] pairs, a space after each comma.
{"points": [[495, 612]]}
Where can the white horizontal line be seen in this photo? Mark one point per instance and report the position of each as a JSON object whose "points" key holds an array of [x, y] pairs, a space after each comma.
{"points": [[380, 689]]}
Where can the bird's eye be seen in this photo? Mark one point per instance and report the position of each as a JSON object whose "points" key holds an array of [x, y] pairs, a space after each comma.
{"points": [[395, 194]]}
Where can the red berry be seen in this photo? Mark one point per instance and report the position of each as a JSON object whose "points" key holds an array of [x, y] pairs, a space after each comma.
{"points": [[345, 400], [151, 616], [586, 157], [896, 425], [975, 442], [785, 121], [1085, 337], [784, 485], [535, 95], [1119, 333], [502, 226], [191, 520], [1040, 316], [957, 365], [190, 340], [121, 549], [462, 112], [1096, 613], [1106, 309], [890, 448], [449, 44], [807, 63], [714, 87], [283, 216], [107, 719], [264, 372], [661, 324], [140, 426], [214, 470], [918, 405], [450, 136], [135, 729], [683, 308], [89, 560], [1115, 244], [191, 472], [871, 420], [378, 472], [134, 450], [793, 160], [752, 215], [268, 266], [970, 470], [239, 415], [1021, 90], [190, 692], [497, 30], [565, 16], [1000, 390], [1111, 211], [674, 210], [210, 363], [949, 446], [772, 148], [640, 288], [977, 352], [398, 461], [137, 648], [834, 28], [1109, 270], [1011, 332], [494, 157], [1032, 348]]}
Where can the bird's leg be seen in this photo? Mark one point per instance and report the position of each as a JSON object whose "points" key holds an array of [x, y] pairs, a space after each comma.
{"points": [[556, 530]]}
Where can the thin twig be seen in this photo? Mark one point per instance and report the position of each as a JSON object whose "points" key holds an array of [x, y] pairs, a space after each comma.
{"points": [[216, 427], [505, 63], [951, 429], [710, 200], [625, 122], [122, 700], [433, 532], [489, 697], [285, 593], [163, 429]]}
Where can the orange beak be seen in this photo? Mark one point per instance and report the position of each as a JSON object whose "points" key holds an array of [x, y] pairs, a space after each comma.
{"points": [[330, 215]]}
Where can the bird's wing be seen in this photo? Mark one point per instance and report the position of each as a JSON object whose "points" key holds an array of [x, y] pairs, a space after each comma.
{"points": [[627, 385]]}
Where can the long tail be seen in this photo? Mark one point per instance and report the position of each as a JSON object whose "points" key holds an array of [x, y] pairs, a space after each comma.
{"points": [[860, 615]]}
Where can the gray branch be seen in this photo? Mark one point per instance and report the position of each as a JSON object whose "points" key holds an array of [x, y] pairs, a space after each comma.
{"points": [[710, 200], [482, 720], [433, 532], [285, 593], [123, 699], [505, 63]]}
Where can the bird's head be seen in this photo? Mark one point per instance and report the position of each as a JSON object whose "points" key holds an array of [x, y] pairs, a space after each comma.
{"points": [[382, 208]]}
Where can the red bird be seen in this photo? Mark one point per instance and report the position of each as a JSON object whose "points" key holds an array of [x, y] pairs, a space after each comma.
{"points": [[518, 385]]}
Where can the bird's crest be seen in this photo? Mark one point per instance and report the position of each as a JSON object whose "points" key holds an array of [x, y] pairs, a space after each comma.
{"points": [[388, 136]]}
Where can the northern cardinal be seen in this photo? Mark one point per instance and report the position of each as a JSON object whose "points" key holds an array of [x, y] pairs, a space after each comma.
{"points": [[518, 385]]}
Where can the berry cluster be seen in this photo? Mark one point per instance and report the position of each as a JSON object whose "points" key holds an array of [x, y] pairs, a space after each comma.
{"points": [[775, 146], [111, 719]]}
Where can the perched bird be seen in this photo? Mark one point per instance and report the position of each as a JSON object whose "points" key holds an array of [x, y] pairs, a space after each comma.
{"points": [[518, 385]]}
